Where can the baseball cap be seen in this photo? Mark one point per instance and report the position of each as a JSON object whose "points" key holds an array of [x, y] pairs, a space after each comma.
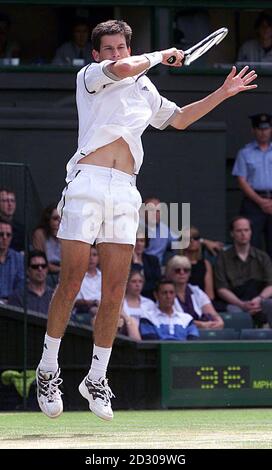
{"points": [[261, 121]]}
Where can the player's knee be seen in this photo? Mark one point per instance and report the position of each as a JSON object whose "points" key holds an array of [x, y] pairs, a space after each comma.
{"points": [[111, 304], [70, 288]]}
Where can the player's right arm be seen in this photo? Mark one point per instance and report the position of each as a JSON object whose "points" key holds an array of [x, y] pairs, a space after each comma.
{"points": [[135, 65]]}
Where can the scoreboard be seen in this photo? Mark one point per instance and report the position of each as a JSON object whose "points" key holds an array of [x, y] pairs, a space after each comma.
{"points": [[225, 374]]}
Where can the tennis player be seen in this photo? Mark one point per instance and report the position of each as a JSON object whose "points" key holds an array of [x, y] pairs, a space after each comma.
{"points": [[116, 102]]}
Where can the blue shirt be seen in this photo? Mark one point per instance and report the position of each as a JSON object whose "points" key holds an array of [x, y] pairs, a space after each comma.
{"points": [[159, 325], [11, 273], [160, 242], [37, 303], [255, 166]]}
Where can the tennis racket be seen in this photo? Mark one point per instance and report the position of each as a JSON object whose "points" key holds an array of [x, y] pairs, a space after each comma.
{"points": [[190, 55]]}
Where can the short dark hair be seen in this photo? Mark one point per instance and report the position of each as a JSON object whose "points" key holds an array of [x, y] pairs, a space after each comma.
{"points": [[134, 271], [110, 27], [263, 17], [238, 217], [7, 190], [4, 221], [163, 282], [4, 18], [34, 254]]}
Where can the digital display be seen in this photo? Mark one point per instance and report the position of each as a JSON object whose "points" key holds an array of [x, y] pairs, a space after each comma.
{"points": [[210, 378], [216, 374]]}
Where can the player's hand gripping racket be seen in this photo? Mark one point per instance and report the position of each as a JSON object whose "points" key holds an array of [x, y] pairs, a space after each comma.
{"points": [[190, 55]]}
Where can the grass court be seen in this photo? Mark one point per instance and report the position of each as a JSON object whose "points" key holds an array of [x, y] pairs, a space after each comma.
{"points": [[175, 429]]}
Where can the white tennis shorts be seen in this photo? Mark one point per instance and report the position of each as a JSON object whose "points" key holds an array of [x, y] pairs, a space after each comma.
{"points": [[100, 204]]}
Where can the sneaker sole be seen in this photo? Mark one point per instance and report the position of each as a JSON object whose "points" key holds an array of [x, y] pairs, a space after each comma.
{"points": [[85, 394], [50, 416]]}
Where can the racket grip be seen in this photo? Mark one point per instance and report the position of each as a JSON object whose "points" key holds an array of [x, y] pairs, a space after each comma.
{"points": [[171, 60]]}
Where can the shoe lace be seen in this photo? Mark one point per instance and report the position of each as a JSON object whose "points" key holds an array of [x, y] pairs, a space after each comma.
{"points": [[103, 390], [50, 387]]}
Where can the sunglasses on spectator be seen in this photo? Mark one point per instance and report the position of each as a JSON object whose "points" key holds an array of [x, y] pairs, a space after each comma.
{"points": [[37, 266], [195, 238], [179, 270], [5, 234]]}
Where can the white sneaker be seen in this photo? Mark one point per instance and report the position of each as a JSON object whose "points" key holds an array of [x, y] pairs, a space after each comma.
{"points": [[98, 394], [48, 393]]}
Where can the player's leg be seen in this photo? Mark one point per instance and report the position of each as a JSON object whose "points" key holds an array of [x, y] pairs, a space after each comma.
{"points": [[114, 260], [74, 264]]}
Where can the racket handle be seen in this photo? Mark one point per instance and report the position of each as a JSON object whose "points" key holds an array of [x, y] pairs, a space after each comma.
{"points": [[171, 60]]}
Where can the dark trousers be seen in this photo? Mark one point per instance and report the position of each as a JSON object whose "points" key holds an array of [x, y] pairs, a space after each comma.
{"points": [[261, 224]]}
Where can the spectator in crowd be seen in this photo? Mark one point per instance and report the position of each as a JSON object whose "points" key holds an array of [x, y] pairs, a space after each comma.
{"points": [[148, 264], [38, 293], [77, 50], [89, 296], [166, 322], [243, 274], [191, 299], [45, 239], [8, 48], [135, 305], [7, 212], [11, 263], [259, 49], [190, 26], [253, 168], [127, 326], [160, 236], [201, 269]]}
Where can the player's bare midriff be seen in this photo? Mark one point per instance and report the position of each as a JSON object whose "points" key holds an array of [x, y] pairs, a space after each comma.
{"points": [[114, 155]]}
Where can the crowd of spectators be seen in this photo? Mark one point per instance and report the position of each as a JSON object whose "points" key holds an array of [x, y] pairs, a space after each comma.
{"points": [[189, 26], [170, 294]]}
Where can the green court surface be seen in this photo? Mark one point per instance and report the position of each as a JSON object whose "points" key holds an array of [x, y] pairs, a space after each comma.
{"points": [[175, 429]]}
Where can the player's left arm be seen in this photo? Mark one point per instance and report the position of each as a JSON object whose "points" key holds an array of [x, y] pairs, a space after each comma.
{"points": [[234, 84]]}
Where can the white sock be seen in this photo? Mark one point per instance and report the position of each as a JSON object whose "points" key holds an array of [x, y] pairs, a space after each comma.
{"points": [[49, 360], [100, 360]]}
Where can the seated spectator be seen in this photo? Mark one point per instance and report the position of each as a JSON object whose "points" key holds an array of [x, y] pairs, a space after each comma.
{"points": [[8, 48], [77, 51], [127, 326], [243, 274], [191, 299], [160, 236], [45, 239], [148, 264], [166, 322], [38, 293], [89, 296], [190, 26], [259, 49], [201, 269], [11, 263], [7, 212], [135, 305]]}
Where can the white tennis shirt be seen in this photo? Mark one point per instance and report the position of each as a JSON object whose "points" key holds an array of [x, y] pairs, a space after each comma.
{"points": [[110, 108]]}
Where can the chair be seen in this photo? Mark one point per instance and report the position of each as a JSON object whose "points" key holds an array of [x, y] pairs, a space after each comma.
{"points": [[218, 335], [238, 320], [256, 334]]}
